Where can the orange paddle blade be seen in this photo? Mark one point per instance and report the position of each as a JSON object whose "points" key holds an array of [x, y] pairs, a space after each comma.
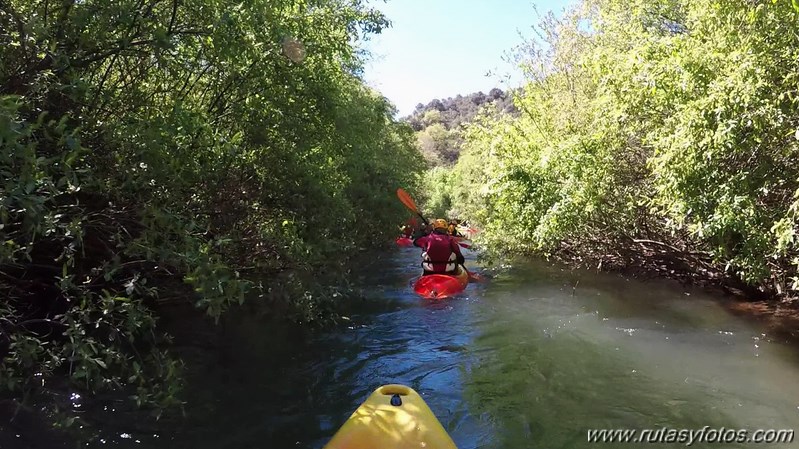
{"points": [[407, 200]]}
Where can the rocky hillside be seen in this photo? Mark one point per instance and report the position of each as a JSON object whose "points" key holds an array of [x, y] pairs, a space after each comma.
{"points": [[439, 123]]}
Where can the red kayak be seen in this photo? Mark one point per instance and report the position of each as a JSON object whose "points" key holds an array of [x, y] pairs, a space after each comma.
{"points": [[404, 241], [440, 286]]}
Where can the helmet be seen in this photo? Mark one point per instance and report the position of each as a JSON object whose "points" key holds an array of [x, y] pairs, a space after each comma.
{"points": [[440, 223]]}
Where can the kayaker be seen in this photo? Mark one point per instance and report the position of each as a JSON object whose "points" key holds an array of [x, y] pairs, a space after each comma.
{"points": [[407, 231], [441, 254], [452, 229], [422, 231]]}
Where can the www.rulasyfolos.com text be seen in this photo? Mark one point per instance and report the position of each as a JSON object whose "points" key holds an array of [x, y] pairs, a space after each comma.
{"points": [[690, 437]]}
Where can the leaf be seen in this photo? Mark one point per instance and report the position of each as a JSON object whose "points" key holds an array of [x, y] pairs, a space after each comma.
{"points": [[71, 143]]}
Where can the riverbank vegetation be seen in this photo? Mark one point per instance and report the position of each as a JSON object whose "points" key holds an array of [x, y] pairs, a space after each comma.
{"points": [[440, 128], [161, 151], [439, 124], [658, 135]]}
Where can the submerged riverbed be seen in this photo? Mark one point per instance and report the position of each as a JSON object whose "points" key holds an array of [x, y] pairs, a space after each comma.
{"points": [[532, 359]]}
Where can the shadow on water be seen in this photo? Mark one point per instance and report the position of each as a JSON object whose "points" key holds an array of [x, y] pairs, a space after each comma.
{"points": [[534, 358]]}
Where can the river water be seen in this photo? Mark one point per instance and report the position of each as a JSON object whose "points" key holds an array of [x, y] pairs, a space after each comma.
{"points": [[532, 359]]}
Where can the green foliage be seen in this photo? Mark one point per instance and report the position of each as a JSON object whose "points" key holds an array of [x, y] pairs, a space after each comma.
{"points": [[439, 124], [439, 183], [650, 127], [431, 117], [215, 143], [435, 142]]}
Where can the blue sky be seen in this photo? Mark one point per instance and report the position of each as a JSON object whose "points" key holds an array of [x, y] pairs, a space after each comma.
{"points": [[441, 48]]}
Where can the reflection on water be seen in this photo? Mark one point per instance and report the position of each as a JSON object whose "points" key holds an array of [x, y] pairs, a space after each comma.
{"points": [[527, 360]]}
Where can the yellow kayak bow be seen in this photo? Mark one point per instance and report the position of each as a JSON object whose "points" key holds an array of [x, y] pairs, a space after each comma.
{"points": [[393, 417]]}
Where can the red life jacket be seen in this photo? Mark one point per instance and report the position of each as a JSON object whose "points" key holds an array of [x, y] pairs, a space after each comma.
{"points": [[438, 255]]}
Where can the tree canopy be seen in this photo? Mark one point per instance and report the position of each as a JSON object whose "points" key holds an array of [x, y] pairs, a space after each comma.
{"points": [[167, 151], [439, 124], [660, 133]]}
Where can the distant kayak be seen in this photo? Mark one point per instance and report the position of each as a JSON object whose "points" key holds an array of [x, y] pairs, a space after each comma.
{"points": [[393, 417], [404, 241], [463, 240], [467, 232], [440, 286]]}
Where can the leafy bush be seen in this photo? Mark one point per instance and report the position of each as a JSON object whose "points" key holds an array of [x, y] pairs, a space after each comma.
{"points": [[162, 151], [661, 129]]}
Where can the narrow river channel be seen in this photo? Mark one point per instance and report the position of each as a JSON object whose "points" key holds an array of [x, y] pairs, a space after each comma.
{"points": [[532, 359]]}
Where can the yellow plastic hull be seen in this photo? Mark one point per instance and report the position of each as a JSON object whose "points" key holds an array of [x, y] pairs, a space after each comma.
{"points": [[377, 424]]}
